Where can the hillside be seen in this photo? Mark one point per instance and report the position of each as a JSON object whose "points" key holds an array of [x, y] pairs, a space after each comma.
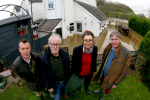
{"points": [[114, 9]]}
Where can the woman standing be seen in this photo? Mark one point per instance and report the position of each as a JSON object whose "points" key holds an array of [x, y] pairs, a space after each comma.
{"points": [[115, 64], [84, 59]]}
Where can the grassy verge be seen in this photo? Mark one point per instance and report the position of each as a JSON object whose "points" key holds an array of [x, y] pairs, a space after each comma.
{"points": [[130, 89]]}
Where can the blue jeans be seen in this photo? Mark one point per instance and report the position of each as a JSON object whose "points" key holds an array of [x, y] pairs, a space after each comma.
{"points": [[59, 91]]}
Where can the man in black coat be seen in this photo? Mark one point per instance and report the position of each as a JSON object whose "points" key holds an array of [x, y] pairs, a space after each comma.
{"points": [[55, 67], [27, 66]]}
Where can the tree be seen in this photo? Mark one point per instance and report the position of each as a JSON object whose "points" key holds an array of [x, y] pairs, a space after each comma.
{"points": [[143, 59]]}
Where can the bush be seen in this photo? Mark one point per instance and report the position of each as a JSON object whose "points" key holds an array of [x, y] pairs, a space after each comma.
{"points": [[144, 46], [139, 24], [143, 59]]}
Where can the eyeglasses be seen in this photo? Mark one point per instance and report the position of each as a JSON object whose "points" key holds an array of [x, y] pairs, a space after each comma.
{"points": [[86, 41], [114, 39], [57, 45]]}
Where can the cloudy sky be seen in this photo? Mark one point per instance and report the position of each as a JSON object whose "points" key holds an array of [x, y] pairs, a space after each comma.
{"points": [[138, 6]]}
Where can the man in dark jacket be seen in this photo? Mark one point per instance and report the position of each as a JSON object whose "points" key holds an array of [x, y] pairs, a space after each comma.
{"points": [[27, 66], [55, 67]]}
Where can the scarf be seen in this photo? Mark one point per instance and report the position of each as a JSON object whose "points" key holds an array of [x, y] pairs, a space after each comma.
{"points": [[88, 51]]}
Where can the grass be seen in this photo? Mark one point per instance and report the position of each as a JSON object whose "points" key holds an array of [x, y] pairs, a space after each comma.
{"points": [[130, 88]]}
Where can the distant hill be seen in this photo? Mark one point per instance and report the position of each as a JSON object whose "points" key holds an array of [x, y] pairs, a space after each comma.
{"points": [[114, 9]]}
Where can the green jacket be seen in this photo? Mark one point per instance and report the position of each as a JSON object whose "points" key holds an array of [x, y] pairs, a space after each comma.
{"points": [[118, 69], [30, 73]]}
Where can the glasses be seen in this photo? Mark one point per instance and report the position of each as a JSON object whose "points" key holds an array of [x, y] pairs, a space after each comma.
{"points": [[86, 41], [114, 39], [57, 45]]}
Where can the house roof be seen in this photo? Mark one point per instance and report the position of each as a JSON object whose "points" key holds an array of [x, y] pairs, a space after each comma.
{"points": [[93, 10], [49, 25], [17, 9], [13, 19], [35, 0]]}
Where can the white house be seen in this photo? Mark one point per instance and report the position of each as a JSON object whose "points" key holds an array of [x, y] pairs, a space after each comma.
{"points": [[33, 7], [68, 17]]}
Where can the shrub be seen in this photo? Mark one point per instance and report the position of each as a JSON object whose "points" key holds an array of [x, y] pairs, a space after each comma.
{"points": [[143, 59], [139, 24]]}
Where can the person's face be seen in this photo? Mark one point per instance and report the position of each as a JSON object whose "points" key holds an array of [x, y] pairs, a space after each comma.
{"points": [[54, 45], [24, 49], [115, 41], [88, 41]]}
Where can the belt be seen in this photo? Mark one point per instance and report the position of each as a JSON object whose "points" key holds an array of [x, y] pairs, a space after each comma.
{"points": [[60, 82]]}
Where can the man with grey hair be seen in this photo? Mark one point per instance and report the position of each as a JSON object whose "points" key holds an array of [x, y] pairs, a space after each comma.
{"points": [[55, 67], [115, 64]]}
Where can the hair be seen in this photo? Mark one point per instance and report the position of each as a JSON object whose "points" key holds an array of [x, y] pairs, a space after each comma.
{"points": [[87, 32], [53, 35], [24, 40], [116, 33]]}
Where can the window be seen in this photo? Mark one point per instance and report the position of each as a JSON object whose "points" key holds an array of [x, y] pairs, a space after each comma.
{"points": [[50, 4], [79, 27], [71, 27]]}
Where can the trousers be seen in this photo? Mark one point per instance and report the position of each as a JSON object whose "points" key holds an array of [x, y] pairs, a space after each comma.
{"points": [[59, 91]]}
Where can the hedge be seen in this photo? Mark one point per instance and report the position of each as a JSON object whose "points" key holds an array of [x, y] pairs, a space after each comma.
{"points": [[144, 54], [140, 25]]}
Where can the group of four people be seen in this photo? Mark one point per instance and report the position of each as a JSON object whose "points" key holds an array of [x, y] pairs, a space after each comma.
{"points": [[51, 71]]}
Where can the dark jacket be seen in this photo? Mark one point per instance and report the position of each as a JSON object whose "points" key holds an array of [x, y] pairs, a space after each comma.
{"points": [[118, 69], [23, 70], [77, 60], [48, 73]]}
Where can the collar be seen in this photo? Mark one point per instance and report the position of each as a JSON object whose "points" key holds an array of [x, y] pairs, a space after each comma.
{"points": [[112, 49], [25, 60], [117, 49]]}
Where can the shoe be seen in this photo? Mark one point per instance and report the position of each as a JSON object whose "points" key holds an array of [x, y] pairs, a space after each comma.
{"points": [[87, 91], [98, 91], [41, 97], [65, 96]]}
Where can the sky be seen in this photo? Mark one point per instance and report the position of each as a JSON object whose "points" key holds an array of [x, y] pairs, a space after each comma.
{"points": [[138, 6]]}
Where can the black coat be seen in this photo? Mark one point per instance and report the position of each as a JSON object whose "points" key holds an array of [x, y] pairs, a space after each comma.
{"points": [[23, 70], [48, 73], [77, 60]]}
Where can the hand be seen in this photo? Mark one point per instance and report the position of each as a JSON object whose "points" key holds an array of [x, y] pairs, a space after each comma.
{"points": [[51, 90], [93, 74], [114, 86]]}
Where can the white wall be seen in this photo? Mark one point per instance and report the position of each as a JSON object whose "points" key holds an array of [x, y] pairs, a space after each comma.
{"points": [[90, 2], [89, 22], [54, 13], [37, 9], [67, 16]]}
